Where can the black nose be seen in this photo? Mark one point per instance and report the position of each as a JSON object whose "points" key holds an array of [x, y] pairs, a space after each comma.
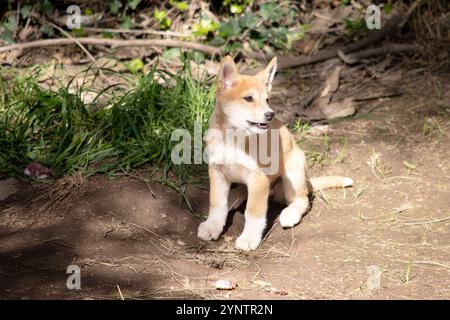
{"points": [[269, 115]]}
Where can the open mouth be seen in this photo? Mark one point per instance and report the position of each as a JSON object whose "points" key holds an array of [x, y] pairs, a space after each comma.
{"points": [[260, 125]]}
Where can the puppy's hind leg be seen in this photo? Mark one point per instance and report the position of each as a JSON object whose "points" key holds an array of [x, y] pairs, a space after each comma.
{"points": [[295, 187]]}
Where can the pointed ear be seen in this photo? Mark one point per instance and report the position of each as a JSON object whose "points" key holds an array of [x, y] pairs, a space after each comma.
{"points": [[228, 73], [268, 73]]}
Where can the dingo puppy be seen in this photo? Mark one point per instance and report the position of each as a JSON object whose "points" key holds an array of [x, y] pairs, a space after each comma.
{"points": [[242, 106]]}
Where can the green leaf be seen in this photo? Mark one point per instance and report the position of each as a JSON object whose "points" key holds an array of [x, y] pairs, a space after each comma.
{"points": [[232, 46], [229, 29], [48, 30], [292, 14], [204, 27], [135, 65], [7, 36], [159, 15], [248, 20], [263, 32], [126, 22], [165, 23], [257, 43], [271, 11], [180, 5], [133, 4], [279, 37], [114, 6], [25, 11], [388, 7], [217, 42], [46, 7], [171, 53], [11, 23], [355, 24], [198, 57], [293, 36], [77, 32], [236, 8]]}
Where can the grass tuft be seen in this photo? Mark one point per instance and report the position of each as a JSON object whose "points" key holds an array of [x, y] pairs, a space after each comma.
{"points": [[56, 128]]}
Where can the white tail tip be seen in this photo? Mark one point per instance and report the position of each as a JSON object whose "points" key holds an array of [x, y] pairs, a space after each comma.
{"points": [[348, 182]]}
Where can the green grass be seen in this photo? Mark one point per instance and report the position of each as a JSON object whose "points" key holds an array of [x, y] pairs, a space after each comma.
{"points": [[56, 128]]}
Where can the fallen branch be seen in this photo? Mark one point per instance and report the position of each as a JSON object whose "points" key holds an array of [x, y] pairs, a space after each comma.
{"points": [[379, 96], [387, 48], [375, 36], [115, 43]]}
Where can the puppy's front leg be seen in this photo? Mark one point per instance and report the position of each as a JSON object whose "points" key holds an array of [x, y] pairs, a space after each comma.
{"points": [[255, 214], [218, 206]]}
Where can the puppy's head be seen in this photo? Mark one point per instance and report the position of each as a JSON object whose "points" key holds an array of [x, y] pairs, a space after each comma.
{"points": [[244, 99]]}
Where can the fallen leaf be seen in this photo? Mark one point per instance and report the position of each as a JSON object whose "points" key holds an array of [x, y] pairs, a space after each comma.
{"points": [[305, 45], [341, 109], [392, 77], [332, 83]]}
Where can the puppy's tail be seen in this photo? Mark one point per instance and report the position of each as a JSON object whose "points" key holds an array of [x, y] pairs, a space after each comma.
{"points": [[320, 183]]}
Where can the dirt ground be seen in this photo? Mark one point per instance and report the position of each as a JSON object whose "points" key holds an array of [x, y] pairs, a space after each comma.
{"points": [[395, 219]]}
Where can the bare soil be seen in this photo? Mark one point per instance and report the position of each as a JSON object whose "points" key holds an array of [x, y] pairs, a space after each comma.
{"points": [[396, 149]]}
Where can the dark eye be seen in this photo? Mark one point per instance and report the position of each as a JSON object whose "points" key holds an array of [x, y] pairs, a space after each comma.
{"points": [[267, 100], [248, 98]]}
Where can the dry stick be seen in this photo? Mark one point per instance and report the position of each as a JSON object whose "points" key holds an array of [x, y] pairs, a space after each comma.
{"points": [[139, 178], [149, 231], [17, 20], [408, 178], [375, 36], [139, 31], [72, 38], [120, 292], [432, 263], [409, 12], [425, 222], [115, 43]]}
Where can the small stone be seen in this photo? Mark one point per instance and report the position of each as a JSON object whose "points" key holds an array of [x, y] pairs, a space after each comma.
{"points": [[38, 171], [225, 284]]}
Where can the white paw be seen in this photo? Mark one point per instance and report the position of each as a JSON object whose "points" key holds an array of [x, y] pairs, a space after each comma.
{"points": [[247, 242], [209, 230], [290, 216]]}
